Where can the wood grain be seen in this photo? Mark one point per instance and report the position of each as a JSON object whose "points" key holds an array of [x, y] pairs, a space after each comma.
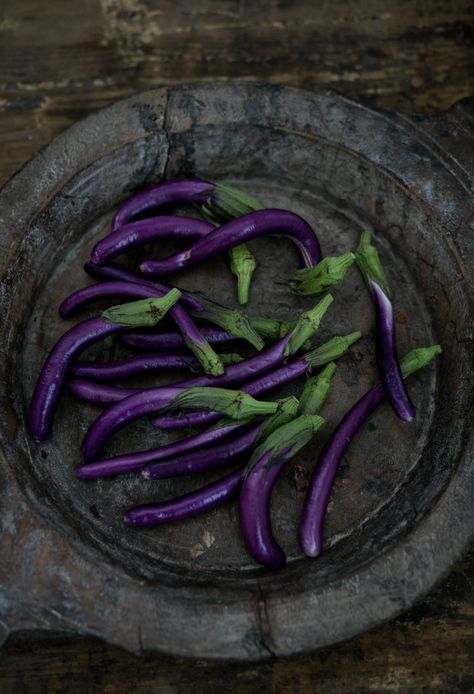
{"points": [[62, 60]]}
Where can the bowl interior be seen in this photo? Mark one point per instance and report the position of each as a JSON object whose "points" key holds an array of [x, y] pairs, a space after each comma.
{"points": [[392, 472]]}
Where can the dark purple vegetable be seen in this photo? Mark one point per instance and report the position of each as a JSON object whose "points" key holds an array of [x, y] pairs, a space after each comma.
{"points": [[129, 462], [263, 470], [255, 522], [150, 200], [121, 289], [198, 460], [51, 380], [169, 341], [239, 231], [234, 322], [235, 373], [188, 505], [203, 459], [389, 366], [132, 366], [147, 231], [100, 393], [369, 264], [322, 481], [335, 348], [236, 404]]}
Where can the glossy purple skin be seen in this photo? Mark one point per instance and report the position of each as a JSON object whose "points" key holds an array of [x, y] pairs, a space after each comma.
{"points": [[199, 460], [121, 413], [389, 365], [232, 375], [147, 231], [322, 480], [129, 462], [254, 506], [124, 289], [114, 271], [106, 290], [238, 231], [52, 378], [150, 200], [168, 341], [100, 393], [186, 506], [134, 365], [257, 386]]}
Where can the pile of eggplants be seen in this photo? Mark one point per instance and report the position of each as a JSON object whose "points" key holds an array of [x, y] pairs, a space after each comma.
{"points": [[220, 397]]}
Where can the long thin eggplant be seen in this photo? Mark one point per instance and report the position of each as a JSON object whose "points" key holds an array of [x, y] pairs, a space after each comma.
{"points": [[124, 289], [237, 231], [147, 231], [264, 467], [144, 363], [191, 504], [244, 370], [368, 261], [322, 481], [236, 404], [222, 454], [52, 378], [335, 348], [149, 201]]}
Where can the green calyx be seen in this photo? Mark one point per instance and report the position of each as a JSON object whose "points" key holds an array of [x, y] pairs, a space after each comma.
{"points": [[210, 361], [368, 262], [306, 325], [235, 322], [142, 313], [271, 328], [234, 403], [329, 272], [418, 359], [316, 390], [225, 203], [243, 265], [286, 411], [231, 358], [285, 442], [331, 350]]}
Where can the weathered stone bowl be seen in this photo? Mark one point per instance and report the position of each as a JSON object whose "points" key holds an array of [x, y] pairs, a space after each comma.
{"points": [[402, 508]]}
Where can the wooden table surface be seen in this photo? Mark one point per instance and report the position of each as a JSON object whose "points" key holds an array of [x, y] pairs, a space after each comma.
{"points": [[60, 60]]}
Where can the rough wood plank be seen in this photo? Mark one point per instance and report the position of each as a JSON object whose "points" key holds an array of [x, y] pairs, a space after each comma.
{"points": [[429, 650], [62, 60]]}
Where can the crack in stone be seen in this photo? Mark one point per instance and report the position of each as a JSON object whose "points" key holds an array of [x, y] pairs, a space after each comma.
{"points": [[264, 623]]}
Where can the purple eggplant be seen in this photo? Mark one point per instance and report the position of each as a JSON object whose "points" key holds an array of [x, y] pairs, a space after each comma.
{"points": [[335, 348], [147, 231], [371, 268], [149, 201], [244, 370], [169, 341], [239, 231], [234, 322], [191, 504], [131, 366], [322, 481], [221, 454], [52, 378], [129, 462], [121, 289], [264, 467], [235, 404]]}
